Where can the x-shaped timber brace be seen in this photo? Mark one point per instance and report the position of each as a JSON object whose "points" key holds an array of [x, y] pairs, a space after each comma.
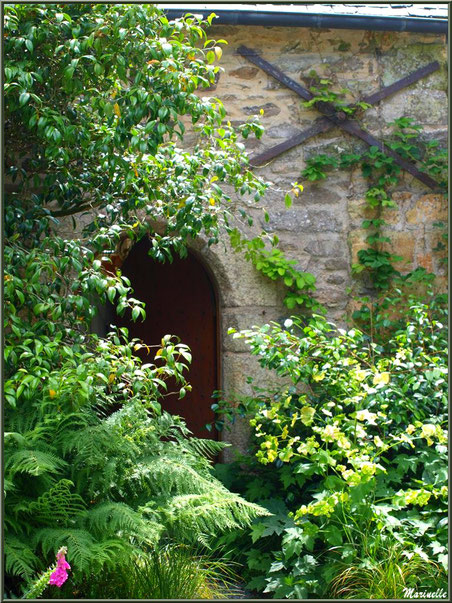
{"points": [[333, 117]]}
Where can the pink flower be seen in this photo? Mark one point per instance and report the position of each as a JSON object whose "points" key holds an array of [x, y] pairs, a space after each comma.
{"points": [[59, 576]]}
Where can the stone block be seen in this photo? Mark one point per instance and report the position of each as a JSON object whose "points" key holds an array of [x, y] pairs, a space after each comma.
{"points": [[425, 260], [283, 130], [402, 198], [331, 296], [358, 210], [245, 318], [237, 435], [425, 107], [427, 210], [357, 241], [435, 242], [386, 41], [254, 144], [325, 247], [442, 284], [340, 42], [336, 264], [337, 278], [392, 216], [326, 192], [402, 244], [247, 72], [269, 109], [238, 367], [302, 220]]}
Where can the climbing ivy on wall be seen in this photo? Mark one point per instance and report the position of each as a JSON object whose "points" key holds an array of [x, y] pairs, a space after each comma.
{"points": [[383, 174]]}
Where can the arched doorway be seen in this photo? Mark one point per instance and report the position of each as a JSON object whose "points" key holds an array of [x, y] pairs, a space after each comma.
{"points": [[180, 300]]}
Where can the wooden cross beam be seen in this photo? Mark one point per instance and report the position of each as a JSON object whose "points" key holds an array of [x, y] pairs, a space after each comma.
{"points": [[333, 117]]}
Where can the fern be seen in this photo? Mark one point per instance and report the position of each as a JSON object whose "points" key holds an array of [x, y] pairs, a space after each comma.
{"points": [[170, 474], [15, 437], [58, 505], [20, 559], [118, 517], [86, 554], [193, 515], [206, 448], [34, 462], [106, 487], [69, 425]]}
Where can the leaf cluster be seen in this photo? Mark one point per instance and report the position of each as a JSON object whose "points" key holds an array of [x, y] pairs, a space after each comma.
{"points": [[95, 98], [383, 173], [273, 264], [353, 449]]}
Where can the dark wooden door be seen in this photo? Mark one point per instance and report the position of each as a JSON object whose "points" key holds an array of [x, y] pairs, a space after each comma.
{"points": [[180, 300]]}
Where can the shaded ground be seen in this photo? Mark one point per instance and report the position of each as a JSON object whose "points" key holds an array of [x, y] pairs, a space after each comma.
{"points": [[239, 591]]}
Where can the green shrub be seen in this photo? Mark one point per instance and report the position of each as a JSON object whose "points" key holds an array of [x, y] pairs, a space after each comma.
{"points": [[351, 452], [96, 96]]}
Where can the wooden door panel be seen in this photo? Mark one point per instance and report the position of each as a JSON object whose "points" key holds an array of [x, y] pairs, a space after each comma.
{"points": [[180, 300]]}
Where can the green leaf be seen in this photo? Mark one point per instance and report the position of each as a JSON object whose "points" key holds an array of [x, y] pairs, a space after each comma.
{"points": [[257, 531], [24, 98], [333, 535]]}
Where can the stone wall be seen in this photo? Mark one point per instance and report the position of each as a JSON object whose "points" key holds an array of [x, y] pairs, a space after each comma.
{"points": [[322, 230]]}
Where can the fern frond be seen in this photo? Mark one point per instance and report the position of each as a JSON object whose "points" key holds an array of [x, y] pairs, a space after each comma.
{"points": [[114, 517], [21, 421], [19, 558], [84, 552], [57, 505], [34, 462], [68, 428], [207, 448], [170, 475], [96, 443], [8, 486], [111, 552], [14, 437], [191, 515]]}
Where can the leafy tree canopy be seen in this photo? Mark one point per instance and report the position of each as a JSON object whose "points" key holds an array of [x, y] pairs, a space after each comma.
{"points": [[98, 97]]}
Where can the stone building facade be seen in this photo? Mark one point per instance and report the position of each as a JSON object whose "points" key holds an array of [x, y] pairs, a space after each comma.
{"points": [[322, 231]]}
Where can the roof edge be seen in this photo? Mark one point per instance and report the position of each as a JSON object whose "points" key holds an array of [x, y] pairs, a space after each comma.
{"points": [[319, 20]]}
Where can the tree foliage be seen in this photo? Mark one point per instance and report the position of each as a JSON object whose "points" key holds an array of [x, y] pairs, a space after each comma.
{"points": [[97, 99]]}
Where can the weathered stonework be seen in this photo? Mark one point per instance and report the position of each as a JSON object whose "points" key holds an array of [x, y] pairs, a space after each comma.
{"points": [[322, 231]]}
